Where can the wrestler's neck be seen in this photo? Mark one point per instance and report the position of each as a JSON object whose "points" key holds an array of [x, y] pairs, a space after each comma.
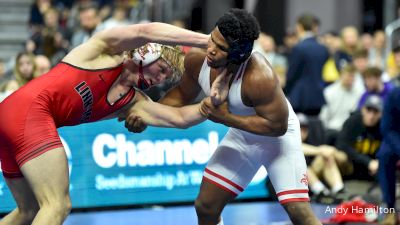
{"points": [[232, 68], [129, 76]]}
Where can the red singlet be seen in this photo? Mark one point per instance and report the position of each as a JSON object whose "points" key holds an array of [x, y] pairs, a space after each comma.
{"points": [[65, 96]]}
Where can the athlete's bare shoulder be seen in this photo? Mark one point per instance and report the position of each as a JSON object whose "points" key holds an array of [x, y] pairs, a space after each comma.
{"points": [[91, 55], [259, 75], [194, 59], [260, 70]]}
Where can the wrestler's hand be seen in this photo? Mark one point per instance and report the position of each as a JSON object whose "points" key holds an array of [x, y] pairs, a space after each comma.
{"points": [[214, 113], [134, 123], [220, 87]]}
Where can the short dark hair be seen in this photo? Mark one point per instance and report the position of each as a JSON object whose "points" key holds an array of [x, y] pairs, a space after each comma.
{"points": [[240, 29], [372, 71], [88, 6], [360, 53], [348, 68], [308, 21], [396, 49]]}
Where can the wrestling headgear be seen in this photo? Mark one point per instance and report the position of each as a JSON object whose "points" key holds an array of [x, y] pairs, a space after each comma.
{"points": [[240, 29], [147, 54], [151, 52], [144, 56]]}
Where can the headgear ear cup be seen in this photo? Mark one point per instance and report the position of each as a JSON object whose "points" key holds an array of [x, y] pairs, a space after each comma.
{"points": [[239, 50], [147, 54], [144, 56]]}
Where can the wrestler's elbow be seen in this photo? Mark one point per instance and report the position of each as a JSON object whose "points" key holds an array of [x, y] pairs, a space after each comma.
{"points": [[278, 129], [180, 123]]}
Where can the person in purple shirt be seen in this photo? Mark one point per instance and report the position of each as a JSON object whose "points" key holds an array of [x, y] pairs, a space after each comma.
{"points": [[374, 85]]}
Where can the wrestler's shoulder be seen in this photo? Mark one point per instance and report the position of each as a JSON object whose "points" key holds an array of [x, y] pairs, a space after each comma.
{"points": [[259, 64], [195, 55], [259, 72]]}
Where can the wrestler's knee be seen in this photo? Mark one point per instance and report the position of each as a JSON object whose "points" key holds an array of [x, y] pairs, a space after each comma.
{"points": [[61, 207], [206, 209], [28, 214]]}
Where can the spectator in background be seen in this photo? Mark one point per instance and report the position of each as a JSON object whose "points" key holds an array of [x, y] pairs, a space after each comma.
{"points": [[23, 72], [89, 20], [3, 73], [374, 85], [377, 53], [395, 81], [389, 152], [332, 41], [322, 161], [360, 138], [360, 62], [289, 41], [265, 44], [304, 85], [52, 41], [36, 16], [341, 98], [119, 18], [4, 79], [366, 41], [42, 64], [350, 44]]}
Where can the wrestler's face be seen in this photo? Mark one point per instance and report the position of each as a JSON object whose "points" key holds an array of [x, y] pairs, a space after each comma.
{"points": [[217, 50], [157, 72]]}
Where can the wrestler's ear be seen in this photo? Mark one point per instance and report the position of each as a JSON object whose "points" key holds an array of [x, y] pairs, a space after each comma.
{"points": [[128, 62]]}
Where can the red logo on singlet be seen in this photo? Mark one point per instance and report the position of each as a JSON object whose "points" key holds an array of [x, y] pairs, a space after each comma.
{"points": [[304, 180], [148, 48]]}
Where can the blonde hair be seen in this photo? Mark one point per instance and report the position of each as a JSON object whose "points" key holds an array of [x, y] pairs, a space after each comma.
{"points": [[174, 56]]}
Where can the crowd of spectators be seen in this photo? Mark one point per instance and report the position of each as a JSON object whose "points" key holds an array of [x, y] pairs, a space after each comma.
{"points": [[57, 26], [337, 82]]}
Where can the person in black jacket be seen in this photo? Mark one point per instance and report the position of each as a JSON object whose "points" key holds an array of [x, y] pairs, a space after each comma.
{"points": [[360, 138]]}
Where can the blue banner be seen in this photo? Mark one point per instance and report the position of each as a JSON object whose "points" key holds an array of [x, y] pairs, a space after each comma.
{"points": [[110, 166]]}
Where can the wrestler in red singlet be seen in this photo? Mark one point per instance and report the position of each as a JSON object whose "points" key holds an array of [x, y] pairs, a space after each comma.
{"points": [[65, 96], [33, 160]]}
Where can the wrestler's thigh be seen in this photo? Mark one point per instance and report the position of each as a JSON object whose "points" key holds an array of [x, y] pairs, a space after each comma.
{"points": [[48, 176]]}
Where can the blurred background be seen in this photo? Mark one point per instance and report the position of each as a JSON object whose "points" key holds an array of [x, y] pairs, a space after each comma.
{"points": [[111, 168]]}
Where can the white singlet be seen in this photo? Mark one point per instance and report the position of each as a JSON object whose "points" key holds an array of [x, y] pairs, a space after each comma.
{"points": [[240, 154]]}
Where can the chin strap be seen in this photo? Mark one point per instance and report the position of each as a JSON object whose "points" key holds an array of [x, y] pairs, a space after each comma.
{"points": [[142, 83]]}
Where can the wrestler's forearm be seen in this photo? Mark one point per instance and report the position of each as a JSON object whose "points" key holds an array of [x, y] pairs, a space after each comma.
{"points": [[159, 115], [119, 39], [169, 34], [191, 115], [256, 124]]}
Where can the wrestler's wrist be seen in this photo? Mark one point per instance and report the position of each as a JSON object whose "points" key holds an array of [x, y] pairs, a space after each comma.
{"points": [[202, 113], [228, 119]]}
